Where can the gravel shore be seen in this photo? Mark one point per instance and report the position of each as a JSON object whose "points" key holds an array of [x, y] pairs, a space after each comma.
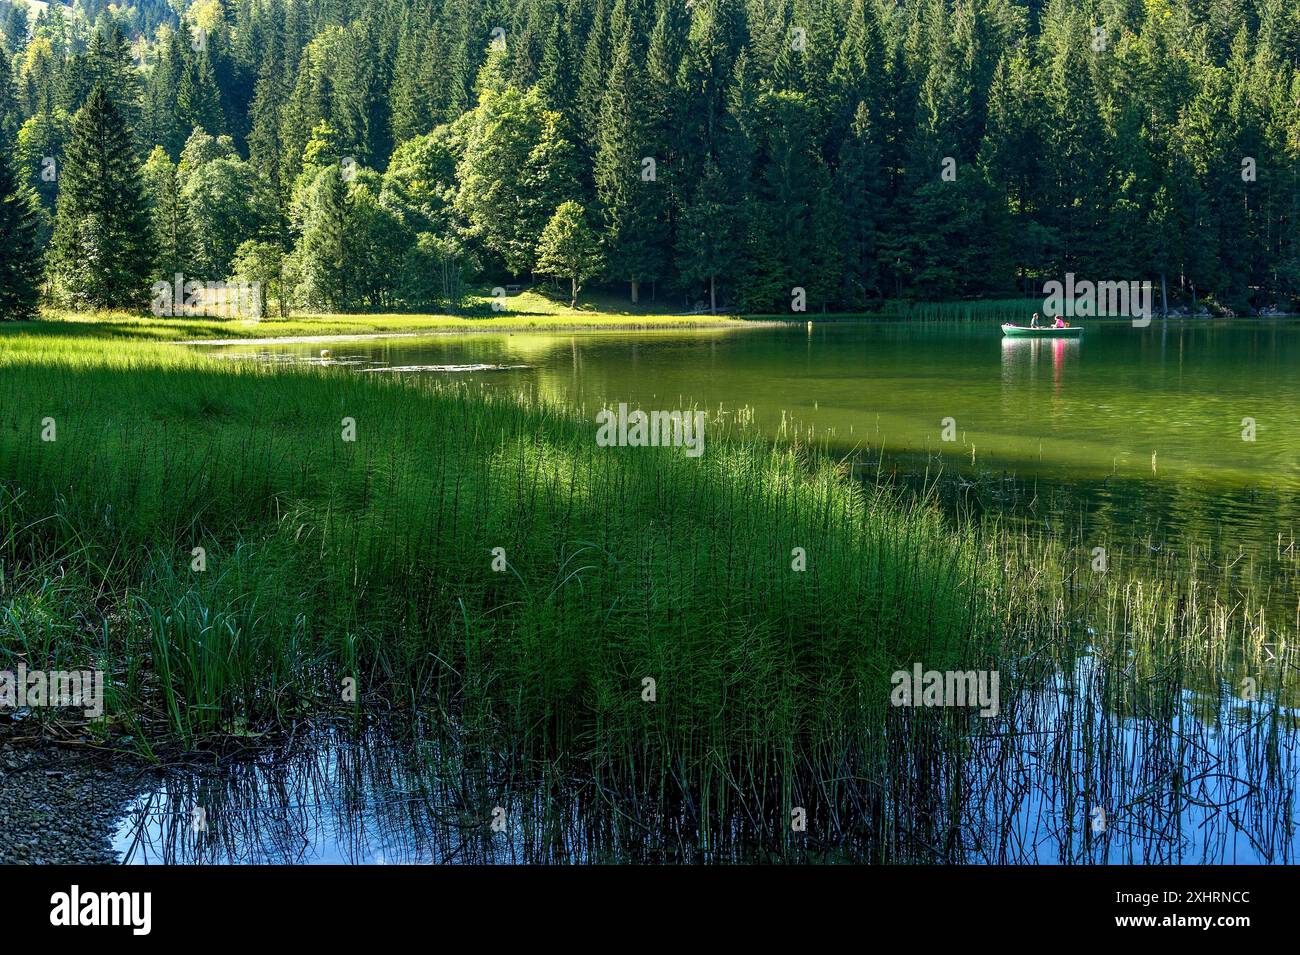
{"points": [[61, 805]]}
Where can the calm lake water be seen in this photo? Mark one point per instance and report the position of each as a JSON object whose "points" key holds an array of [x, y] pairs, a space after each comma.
{"points": [[1133, 437], [1136, 429]]}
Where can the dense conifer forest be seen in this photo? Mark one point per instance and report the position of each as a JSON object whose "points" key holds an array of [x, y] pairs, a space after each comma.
{"points": [[391, 154]]}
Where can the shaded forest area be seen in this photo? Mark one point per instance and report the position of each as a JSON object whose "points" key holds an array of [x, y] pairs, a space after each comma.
{"points": [[387, 154]]}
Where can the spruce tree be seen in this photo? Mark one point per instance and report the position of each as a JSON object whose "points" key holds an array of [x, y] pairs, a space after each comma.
{"points": [[198, 101], [324, 256], [786, 212], [107, 63], [266, 151], [102, 249], [558, 69], [160, 124], [9, 115], [857, 209], [591, 81], [415, 80], [709, 239], [459, 58]]}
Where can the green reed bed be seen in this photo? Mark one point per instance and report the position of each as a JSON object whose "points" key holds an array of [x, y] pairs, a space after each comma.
{"points": [[1208, 622], [328, 559]]}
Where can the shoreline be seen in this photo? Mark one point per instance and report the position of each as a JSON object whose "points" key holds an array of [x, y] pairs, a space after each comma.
{"points": [[434, 332], [362, 327]]}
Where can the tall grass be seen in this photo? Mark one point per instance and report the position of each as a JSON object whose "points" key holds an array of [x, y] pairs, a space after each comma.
{"points": [[373, 560]]}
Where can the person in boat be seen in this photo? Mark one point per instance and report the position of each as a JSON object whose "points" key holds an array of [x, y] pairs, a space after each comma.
{"points": [[1033, 322], [1059, 323]]}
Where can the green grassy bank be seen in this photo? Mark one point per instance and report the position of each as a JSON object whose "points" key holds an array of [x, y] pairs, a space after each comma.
{"points": [[525, 310]]}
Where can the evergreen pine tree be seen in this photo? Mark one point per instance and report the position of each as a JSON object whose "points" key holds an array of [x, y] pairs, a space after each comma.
{"points": [[101, 252]]}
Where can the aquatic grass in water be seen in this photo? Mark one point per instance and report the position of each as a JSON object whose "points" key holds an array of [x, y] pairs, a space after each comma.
{"points": [[624, 565]]}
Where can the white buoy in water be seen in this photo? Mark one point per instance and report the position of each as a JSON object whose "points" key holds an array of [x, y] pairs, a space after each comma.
{"points": [[325, 353]]}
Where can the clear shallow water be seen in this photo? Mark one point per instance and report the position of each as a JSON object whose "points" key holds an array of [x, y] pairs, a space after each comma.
{"points": [[1061, 778], [1130, 437], [361, 798], [1196, 777]]}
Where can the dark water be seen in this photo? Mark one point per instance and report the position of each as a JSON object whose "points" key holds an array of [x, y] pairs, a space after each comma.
{"points": [[1131, 438]]}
